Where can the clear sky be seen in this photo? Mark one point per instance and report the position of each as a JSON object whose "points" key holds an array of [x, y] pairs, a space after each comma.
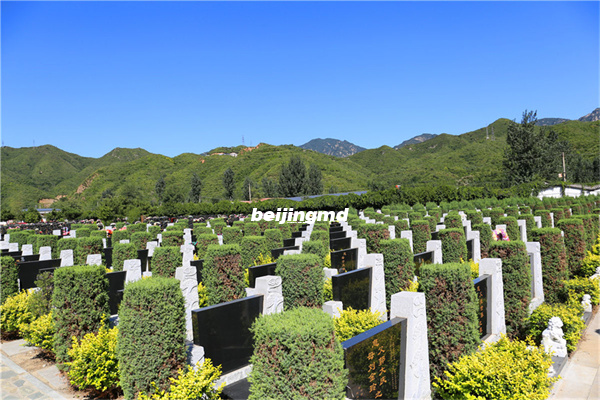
{"points": [[175, 77]]}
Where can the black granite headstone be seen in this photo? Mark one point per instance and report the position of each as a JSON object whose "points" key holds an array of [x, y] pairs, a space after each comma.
{"points": [[375, 360], [344, 260], [470, 244], [340, 244], [28, 271], [296, 234], [224, 331], [143, 257], [108, 256], [483, 290], [337, 235], [353, 288], [289, 242], [260, 270], [423, 258], [30, 257], [338, 228], [198, 264], [116, 284], [275, 253], [435, 235]]}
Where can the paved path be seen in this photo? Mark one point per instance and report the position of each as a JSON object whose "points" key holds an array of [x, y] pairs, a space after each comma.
{"points": [[581, 376]]}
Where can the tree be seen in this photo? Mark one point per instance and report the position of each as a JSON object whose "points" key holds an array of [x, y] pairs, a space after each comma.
{"points": [[247, 187], [159, 188], [195, 189], [32, 216], [269, 187], [292, 180], [228, 183], [314, 182]]}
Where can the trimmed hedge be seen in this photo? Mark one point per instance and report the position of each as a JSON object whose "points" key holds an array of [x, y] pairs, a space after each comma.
{"points": [[401, 225], [151, 339], [9, 273], [133, 228], [251, 229], [496, 214], [590, 226], [218, 225], [231, 235], [485, 237], [252, 247], [451, 307], [202, 243], [286, 230], [554, 262], [297, 356], [398, 266], [165, 260], [322, 236], [83, 232], [453, 220], [374, 234], [512, 212], [301, 280], [47, 240], [512, 227], [474, 216], [529, 224], [454, 245], [140, 239], [559, 214], [122, 252], [101, 234], [516, 277], [117, 236], [546, 219], [21, 237], [274, 238], [315, 247], [432, 223], [154, 230], [80, 305], [574, 243], [421, 234], [222, 274], [86, 246], [68, 244], [172, 238]]}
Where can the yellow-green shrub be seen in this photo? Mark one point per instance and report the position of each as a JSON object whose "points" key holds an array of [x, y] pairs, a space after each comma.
{"points": [[202, 295], [15, 312], [503, 370], [574, 289], [353, 322], [95, 364], [570, 315], [327, 290], [190, 384], [40, 333], [590, 263]]}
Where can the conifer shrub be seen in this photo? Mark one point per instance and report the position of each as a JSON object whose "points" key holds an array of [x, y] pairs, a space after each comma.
{"points": [[218, 225], [133, 228], [590, 226], [146, 354], [577, 209], [117, 235], [282, 366], [354, 322], [512, 212], [546, 218], [15, 312], [40, 301], [231, 235], [46, 240], [315, 247], [120, 225], [87, 246], [100, 234], [83, 232], [421, 234], [374, 234], [21, 237], [574, 243], [286, 230], [80, 306], [122, 252], [252, 247], [202, 243], [140, 239], [154, 230], [222, 274], [398, 266], [322, 236], [569, 314], [451, 307], [274, 238], [496, 214], [516, 277], [165, 261], [567, 211], [388, 220], [68, 244], [512, 227], [9, 275], [203, 231], [432, 223], [454, 245], [554, 261], [415, 216], [251, 229], [559, 214], [525, 210], [172, 238], [474, 216], [502, 370], [529, 224], [301, 280], [453, 220], [401, 225]]}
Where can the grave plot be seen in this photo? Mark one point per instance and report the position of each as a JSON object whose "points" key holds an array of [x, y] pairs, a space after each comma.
{"points": [[483, 289], [353, 288], [344, 260], [29, 270]]}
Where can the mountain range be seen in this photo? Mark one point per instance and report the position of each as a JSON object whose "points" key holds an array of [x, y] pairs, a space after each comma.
{"points": [[30, 174]]}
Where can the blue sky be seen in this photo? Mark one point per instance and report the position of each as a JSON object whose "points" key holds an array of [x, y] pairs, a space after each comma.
{"points": [[175, 77]]}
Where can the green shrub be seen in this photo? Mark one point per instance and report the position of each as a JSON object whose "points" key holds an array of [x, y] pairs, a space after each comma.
{"points": [[14, 312], [415, 216], [516, 277], [172, 238], [512, 212], [40, 301], [301, 280], [80, 305], [202, 243], [21, 237], [68, 244], [100, 234], [574, 243], [274, 238], [485, 237], [198, 383], [154, 230], [401, 225], [251, 229], [546, 219], [570, 315], [432, 223], [147, 354], [117, 236], [9, 275], [454, 245], [474, 216], [282, 366], [451, 307], [286, 230], [46, 240], [574, 289], [204, 230], [589, 264], [122, 252], [559, 214], [525, 210], [218, 225], [134, 228], [83, 232], [512, 227], [315, 247], [232, 235], [165, 260], [86, 246], [388, 221], [120, 225], [140, 239], [453, 220], [496, 214], [323, 236], [354, 322], [222, 274], [421, 234], [398, 265], [554, 262], [40, 333], [327, 290], [374, 234], [503, 370], [252, 247], [590, 227]]}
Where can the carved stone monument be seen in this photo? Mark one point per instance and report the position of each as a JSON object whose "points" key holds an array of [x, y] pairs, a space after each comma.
{"points": [[552, 338], [134, 270], [66, 258], [92, 259], [586, 303], [188, 282], [27, 249]]}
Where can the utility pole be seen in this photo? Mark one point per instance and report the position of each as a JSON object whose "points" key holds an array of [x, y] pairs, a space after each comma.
{"points": [[564, 174], [249, 192]]}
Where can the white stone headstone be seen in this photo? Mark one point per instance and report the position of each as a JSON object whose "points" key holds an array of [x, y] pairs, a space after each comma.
{"points": [[392, 230], [7, 237], [57, 232], [4, 245], [124, 241], [552, 219], [375, 262], [150, 246], [13, 247], [94, 259], [329, 272], [436, 247], [187, 251], [408, 235], [538, 221], [487, 220], [159, 238], [66, 258], [475, 235], [134, 270], [586, 303], [493, 267], [45, 253], [270, 287], [104, 243], [27, 249], [188, 282], [333, 308], [535, 256], [522, 229]]}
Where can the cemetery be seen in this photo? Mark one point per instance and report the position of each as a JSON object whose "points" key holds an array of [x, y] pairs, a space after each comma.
{"points": [[401, 301]]}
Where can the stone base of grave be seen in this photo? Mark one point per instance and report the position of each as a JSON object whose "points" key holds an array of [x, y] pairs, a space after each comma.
{"points": [[587, 317], [558, 363], [235, 376], [113, 321], [239, 390]]}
